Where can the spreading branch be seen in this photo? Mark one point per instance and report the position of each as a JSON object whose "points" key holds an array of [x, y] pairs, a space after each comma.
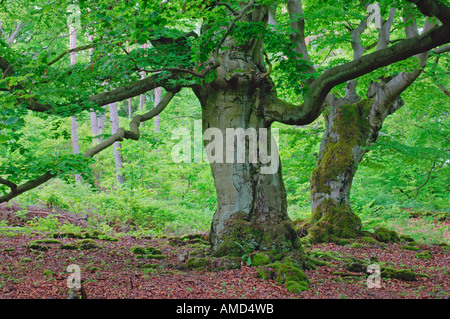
{"points": [[244, 10], [306, 113], [133, 133]]}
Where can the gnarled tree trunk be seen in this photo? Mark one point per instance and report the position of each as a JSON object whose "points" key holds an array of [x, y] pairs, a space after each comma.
{"points": [[251, 198]]}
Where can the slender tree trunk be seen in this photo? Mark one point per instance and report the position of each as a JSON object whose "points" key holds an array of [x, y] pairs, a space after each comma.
{"points": [[142, 96], [157, 100], [114, 117], [75, 145]]}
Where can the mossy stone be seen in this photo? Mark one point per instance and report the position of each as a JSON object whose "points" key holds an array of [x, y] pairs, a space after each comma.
{"points": [[139, 250], [401, 274], [88, 244], [406, 238], [296, 286], [385, 235], [46, 241], [425, 255], [69, 246], [38, 247], [410, 247], [260, 259], [287, 271]]}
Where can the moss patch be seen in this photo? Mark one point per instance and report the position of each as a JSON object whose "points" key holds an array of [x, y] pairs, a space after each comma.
{"points": [[333, 223], [296, 286], [401, 274], [425, 255], [88, 244], [385, 235], [259, 259], [39, 247], [408, 247], [69, 246], [288, 271], [212, 263], [240, 236]]}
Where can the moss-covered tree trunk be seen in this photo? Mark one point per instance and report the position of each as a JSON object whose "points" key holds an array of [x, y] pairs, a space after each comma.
{"points": [[346, 135], [251, 198]]}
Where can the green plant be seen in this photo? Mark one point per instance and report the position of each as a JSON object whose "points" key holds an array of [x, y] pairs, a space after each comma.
{"points": [[246, 257]]}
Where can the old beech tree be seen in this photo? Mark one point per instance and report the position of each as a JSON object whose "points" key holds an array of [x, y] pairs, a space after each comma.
{"points": [[227, 52]]}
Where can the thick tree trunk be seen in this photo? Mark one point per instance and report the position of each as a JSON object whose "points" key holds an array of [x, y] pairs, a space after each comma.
{"points": [[252, 206], [346, 135]]}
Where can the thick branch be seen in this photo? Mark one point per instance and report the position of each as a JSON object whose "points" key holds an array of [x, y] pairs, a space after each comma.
{"points": [[434, 8], [8, 183], [231, 25], [298, 26], [319, 89]]}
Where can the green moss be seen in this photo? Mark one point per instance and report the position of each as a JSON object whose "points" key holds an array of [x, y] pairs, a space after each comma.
{"points": [[240, 236], [38, 247], [319, 262], [69, 246], [139, 250], [46, 241], [406, 238], [350, 125], [87, 244], [356, 245], [410, 247], [413, 243], [286, 271], [385, 235], [67, 235], [296, 286], [425, 255], [333, 222], [155, 256], [401, 274], [260, 259], [93, 269], [212, 263], [47, 273], [370, 241], [356, 266]]}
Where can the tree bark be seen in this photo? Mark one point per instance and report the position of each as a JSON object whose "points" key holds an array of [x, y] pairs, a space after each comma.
{"points": [[347, 132], [352, 125], [252, 206], [251, 199]]}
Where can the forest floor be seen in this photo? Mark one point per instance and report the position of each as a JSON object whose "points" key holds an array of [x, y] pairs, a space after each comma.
{"points": [[114, 271]]}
